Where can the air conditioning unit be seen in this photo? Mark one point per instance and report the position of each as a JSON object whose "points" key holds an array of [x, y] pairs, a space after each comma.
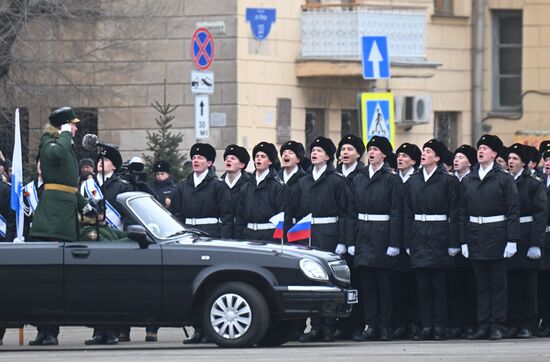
{"points": [[412, 110]]}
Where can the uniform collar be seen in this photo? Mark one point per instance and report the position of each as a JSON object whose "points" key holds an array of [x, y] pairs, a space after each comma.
{"points": [[346, 170], [316, 174], [261, 177], [197, 179], [288, 176], [231, 184]]}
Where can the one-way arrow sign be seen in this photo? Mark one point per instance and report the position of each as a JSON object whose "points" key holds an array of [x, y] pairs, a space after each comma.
{"points": [[202, 115], [376, 62]]}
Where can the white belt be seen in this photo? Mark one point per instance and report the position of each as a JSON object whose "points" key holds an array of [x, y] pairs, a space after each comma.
{"points": [[525, 219], [324, 220], [487, 219], [373, 217], [264, 226], [424, 217], [548, 228], [202, 221]]}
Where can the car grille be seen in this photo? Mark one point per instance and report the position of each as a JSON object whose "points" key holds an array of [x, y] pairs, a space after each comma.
{"points": [[340, 270]]}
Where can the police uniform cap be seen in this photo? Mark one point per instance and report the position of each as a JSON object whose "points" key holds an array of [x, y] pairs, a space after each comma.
{"points": [[63, 115], [412, 150], [161, 166], [240, 152], [113, 155], [437, 146], [353, 140], [545, 152], [544, 146], [521, 151], [382, 143], [469, 152], [491, 141], [326, 144], [86, 162], [204, 149], [295, 147], [269, 149]]}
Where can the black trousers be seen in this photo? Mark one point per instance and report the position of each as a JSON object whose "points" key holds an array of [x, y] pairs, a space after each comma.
{"points": [[432, 296], [492, 298], [2, 332], [377, 296], [462, 294], [48, 330], [544, 298], [106, 331], [405, 298], [523, 298]]}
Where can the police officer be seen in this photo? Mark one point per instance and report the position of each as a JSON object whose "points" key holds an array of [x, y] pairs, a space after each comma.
{"points": [[489, 231], [461, 288], [431, 220], [7, 224], [164, 184], [405, 313], [377, 207], [325, 195], [55, 217], [523, 266], [203, 201], [263, 197], [544, 274], [236, 160], [86, 167]]}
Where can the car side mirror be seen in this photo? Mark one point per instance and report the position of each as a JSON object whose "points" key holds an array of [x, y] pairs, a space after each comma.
{"points": [[138, 233]]}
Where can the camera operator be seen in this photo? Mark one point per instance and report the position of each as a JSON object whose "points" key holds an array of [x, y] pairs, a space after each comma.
{"points": [[134, 173]]}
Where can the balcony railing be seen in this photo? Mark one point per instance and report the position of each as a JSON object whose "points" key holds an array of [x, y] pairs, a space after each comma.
{"points": [[335, 32]]}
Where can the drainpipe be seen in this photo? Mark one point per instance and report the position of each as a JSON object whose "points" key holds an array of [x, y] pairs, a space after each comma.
{"points": [[477, 89]]}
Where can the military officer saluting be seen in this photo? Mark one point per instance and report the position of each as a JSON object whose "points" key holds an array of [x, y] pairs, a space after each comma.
{"points": [[523, 266], [489, 232]]}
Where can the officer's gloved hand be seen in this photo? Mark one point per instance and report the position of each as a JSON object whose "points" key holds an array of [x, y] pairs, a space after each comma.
{"points": [[510, 250], [465, 252], [340, 249], [351, 250], [534, 252], [392, 251], [453, 251], [65, 127], [408, 251]]}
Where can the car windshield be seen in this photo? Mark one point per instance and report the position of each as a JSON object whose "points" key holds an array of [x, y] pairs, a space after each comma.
{"points": [[155, 217]]}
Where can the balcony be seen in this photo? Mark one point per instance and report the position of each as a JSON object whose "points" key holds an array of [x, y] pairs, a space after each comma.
{"points": [[331, 39]]}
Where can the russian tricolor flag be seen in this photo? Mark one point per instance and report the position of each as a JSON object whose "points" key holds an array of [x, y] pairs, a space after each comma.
{"points": [[301, 230], [279, 222]]}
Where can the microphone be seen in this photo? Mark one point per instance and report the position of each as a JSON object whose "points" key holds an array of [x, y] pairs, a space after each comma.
{"points": [[90, 142]]}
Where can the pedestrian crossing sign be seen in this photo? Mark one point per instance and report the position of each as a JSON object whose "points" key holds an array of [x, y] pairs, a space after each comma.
{"points": [[377, 116]]}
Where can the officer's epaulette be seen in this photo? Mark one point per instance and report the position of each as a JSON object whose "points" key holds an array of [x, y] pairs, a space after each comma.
{"points": [[536, 177], [278, 179], [126, 182], [338, 173], [506, 172], [218, 179]]}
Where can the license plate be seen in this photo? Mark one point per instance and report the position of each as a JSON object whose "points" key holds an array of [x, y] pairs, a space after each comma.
{"points": [[353, 296]]}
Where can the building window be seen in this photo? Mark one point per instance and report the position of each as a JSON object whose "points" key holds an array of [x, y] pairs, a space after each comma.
{"points": [[7, 131], [443, 7], [315, 124], [507, 47], [87, 124], [350, 122], [446, 128]]}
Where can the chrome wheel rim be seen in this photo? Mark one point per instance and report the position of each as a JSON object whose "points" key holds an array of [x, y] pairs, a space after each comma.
{"points": [[230, 316]]}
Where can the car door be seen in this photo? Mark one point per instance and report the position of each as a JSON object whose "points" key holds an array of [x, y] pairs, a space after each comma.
{"points": [[112, 278], [31, 280]]}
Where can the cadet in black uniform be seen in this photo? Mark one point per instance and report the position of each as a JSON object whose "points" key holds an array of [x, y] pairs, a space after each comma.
{"points": [[544, 274], [324, 194], [263, 197], [350, 151], [236, 160], [523, 266], [461, 281], [203, 201], [7, 224], [489, 231], [164, 184], [431, 220], [377, 208], [405, 313]]}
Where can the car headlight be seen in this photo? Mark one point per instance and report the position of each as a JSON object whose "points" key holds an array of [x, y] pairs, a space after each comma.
{"points": [[313, 270]]}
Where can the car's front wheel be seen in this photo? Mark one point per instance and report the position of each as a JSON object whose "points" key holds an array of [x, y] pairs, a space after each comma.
{"points": [[235, 315]]}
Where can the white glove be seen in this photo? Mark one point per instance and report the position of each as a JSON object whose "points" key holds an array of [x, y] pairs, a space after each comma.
{"points": [[453, 251], [465, 252], [534, 252], [65, 127], [340, 249], [392, 251], [510, 250], [351, 250], [408, 251]]}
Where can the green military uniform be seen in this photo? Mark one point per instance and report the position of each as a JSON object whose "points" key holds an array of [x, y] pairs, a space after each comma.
{"points": [[106, 233]]}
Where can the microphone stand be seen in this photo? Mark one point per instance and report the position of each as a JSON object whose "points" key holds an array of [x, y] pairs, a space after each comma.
{"points": [[101, 153]]}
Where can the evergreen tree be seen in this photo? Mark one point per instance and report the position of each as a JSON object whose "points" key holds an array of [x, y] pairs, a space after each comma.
{"points": [[163, 144]]}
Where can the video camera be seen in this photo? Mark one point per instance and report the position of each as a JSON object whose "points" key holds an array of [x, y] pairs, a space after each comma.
{"points": [[133, 171]]}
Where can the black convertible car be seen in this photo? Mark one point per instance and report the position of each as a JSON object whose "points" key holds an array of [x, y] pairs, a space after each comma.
{"points": [[242, 293]]}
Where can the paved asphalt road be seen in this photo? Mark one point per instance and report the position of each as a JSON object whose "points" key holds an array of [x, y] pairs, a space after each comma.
{"points": [[170, 348]]}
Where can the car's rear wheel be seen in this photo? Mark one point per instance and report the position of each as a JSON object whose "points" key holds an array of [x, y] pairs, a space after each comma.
{"points": [[235, 315]]}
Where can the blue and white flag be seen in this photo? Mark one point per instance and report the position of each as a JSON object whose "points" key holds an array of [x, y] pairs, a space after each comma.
{"points": [[17, 182]]}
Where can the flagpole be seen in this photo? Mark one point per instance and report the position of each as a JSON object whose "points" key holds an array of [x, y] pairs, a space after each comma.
{"points": [[17, 182], [282, 241], [309, 240]]}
